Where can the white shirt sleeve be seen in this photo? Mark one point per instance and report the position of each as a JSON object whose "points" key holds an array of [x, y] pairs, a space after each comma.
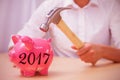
{"points": [[31, 28]]}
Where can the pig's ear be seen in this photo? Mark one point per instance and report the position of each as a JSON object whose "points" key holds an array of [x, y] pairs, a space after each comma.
{"points": [[16, 38], [28, 42]]}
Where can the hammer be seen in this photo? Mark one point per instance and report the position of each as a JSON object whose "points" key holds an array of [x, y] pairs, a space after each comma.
{"points": [[54, 17]]}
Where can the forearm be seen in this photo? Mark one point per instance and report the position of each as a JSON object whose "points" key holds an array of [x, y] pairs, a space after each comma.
{"points": [[111, 53]]}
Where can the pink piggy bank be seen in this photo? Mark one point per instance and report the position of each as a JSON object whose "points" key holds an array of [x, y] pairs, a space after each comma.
{"points": [[31, 55]]}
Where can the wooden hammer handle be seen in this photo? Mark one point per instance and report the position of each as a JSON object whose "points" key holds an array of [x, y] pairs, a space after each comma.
{"points": [[72, 37]]}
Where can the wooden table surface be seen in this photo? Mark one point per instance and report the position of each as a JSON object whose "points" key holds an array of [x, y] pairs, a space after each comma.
{"points": [[64, 69]]}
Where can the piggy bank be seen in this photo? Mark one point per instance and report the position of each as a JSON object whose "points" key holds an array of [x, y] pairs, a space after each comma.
{"points": [[31, 55]]}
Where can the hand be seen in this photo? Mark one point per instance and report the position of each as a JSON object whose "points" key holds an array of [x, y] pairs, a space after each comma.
{"points": [[90, 53]]}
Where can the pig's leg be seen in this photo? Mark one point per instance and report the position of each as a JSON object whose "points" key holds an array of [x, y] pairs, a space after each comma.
{"points": [[28, 73], [44, 72]]}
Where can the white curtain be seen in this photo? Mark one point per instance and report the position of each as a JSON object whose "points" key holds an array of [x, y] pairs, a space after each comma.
{"points": [[13, 15]]}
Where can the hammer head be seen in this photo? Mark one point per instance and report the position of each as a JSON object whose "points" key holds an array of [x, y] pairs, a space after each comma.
{"points": [[52, 17]]}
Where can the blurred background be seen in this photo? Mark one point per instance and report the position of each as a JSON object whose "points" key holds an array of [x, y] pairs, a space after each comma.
{"points": [[13, 15]]}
